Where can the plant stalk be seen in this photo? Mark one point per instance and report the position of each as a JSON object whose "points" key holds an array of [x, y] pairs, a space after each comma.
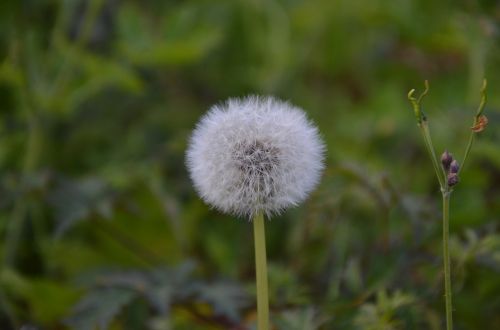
{"points": [[424, 127], [467, 151], [261, 272], [446, 259]]}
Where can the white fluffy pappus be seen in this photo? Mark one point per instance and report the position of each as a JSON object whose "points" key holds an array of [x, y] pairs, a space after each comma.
{"points": [[256, 154]]}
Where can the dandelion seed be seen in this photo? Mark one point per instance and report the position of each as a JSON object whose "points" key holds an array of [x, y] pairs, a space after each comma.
{"points": [[255, 155]]}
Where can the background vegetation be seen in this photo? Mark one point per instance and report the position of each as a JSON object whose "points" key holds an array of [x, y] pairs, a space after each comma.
{"points": [[99, 223]]}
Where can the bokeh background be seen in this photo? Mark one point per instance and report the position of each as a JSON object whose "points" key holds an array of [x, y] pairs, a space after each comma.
{"points": [[101, 228]]}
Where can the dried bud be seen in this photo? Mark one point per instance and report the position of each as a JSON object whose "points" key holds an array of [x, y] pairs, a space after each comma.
{"points": [[454, 167], [446, 159], [480, 124], [452, 179]]}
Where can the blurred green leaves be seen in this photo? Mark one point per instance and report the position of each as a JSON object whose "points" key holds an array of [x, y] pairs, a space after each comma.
{"points": [[181, 38], [163, 289], [37, 292], [97, 100], [98, 309], [380, 315], [75, 201]]}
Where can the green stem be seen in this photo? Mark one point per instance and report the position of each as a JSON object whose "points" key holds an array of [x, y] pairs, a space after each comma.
{"points": [[477, 117], [446, 259], [261, 272], [424, 127], [467, 151]]}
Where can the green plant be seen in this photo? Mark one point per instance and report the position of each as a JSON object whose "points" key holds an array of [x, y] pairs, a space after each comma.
{"points": [[447, 175]]}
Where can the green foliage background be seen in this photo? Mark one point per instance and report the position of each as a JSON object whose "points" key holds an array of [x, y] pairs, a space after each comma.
{"points": [[101, 228]]}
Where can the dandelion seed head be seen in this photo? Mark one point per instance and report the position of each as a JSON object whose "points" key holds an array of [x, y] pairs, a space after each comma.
{"points": [[256, 154]]}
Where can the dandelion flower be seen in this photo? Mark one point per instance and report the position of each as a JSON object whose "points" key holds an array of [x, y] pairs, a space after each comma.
{"points": [[255, 155]]}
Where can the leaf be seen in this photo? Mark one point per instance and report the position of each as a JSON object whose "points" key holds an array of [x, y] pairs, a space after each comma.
{"points": [[61, 294], [185, 39], [380, 315], [36, 292], [98, 308], [285, 288], [13, 282], [305, 319], [352, 274], [74, 201], [100, 75], [169, 284], [225, 298], [160, 286]]}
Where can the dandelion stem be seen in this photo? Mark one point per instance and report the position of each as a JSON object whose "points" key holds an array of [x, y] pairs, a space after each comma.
{"points": [[261, 272], [446, 259]]}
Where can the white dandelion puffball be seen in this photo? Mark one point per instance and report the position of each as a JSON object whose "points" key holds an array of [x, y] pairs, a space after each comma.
{"points": [[256, 154]]}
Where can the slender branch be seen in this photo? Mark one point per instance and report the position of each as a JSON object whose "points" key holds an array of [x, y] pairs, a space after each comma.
{"points": [[261, 272], [477, 117], [467, 151], [424, 128]]}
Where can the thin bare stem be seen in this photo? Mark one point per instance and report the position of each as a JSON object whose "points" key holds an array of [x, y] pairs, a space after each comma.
{"points": [[424, 128], [261, 272], [467, 151], [446, 260]]}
